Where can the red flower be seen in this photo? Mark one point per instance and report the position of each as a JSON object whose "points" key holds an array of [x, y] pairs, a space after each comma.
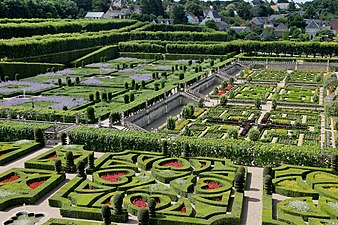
{"points": [[36, 184], [2, 154], [158, 202], [107, 202], [173, 163], [224, 90], [54, 156], [183, 210], [139, 202], [212, 185], [203, 164], [10, 179], [113, 177], [145, 158], [218, 200]]}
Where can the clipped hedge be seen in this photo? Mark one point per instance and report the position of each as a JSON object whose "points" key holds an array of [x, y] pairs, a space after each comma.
{"points": [[140, 55], [25, 69], [140, 47], [14, 131], [105, 53], [16, 153], [239, 151]]}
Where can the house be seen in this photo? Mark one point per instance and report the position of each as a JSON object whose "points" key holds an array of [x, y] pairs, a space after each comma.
{"points": [[239, 29], [192, 18], [312, 29], [94, 15], [214, 16], [164, 21], [280, 29], [334, 26], [259, 21], [268, 24], [117, 13], [282, 6], [119, 4], [274, 8]]}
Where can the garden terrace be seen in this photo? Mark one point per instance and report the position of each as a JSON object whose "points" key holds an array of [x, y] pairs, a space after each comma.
{"points": [[205, 185], [250, 92], [10, 151], [298, 95], [266, 76]]}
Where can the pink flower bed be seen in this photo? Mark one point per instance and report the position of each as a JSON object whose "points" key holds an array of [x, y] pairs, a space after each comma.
{"points": [[36, 184], [203, 164], [113, 177], [212, 185], [54, 156], [183, 210], [173, 163], [139, 202]]}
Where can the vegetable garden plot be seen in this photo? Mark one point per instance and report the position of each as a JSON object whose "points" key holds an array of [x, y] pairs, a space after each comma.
{"points": [[299, 95], [253, 92], [198, 190]]}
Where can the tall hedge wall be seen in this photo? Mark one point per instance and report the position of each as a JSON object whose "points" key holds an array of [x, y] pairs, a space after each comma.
{"points": [[26, 29], [107, 53], [239, 151], [176, 27], [25, 69], [14, 131]]}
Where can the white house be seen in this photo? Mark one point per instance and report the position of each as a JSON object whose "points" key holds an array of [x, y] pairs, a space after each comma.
{"points": [[94, 15]]}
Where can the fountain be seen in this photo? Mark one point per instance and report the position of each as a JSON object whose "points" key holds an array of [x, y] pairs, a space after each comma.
{"points": [[24, 218]]}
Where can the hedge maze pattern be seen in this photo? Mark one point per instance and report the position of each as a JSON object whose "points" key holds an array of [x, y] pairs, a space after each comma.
{"points": [[186, 190]]}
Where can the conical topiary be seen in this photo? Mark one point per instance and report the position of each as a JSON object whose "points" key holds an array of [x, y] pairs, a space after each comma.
{"points": [[152, 206], [118, 201], [268, 184], [81, 169], [70, 166], [106, 214], [143, 216], [239, 182], [268, 171]]}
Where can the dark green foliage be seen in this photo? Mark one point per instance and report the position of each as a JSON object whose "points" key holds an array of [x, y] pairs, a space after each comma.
{"points": [[114, 117], [91, 97], [81, 169], [201, 103], [258, 103], [60, 82], [268, 171], [6, 78], [171, 123], [110, 96], [239, 182], [106, 215], [187, 132], [165, 148], [181, 76], [334, 162], [133, 82], [186, 149], [254, 134], [63, 138], [132, 97], [156, 87], [17, 77], [188, 111], [152, 206], [118, 201], [65, 108], [126, 86], [69, 82], [38, 136], [274, 104], [143, 84], [126, 99], [268, 187], [104, 97], [90, 114], [143, 216], [223, 101], [97, 96], [58, 165], [77, 80], [70, 166], [90, 161]]}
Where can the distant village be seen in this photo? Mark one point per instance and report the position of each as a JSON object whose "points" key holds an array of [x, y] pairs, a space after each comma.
{"points": [[271, 27]]}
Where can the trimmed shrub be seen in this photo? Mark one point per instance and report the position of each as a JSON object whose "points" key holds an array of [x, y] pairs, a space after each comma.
{"points": [[152, 206], [70, 166], [90, 161], [91, 97], [165, 148], [63, 138], [104, 97], [186, 149], [334, 162], [106, 215], [143, 216], [38, 136], [268, 171], [126, 99], [268, 184], [118, 201], [81, 169], [58, 165], [90, 114], [239, 182], [171, 123]]}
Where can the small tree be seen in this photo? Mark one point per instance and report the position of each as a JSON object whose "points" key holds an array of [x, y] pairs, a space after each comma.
{"points": [[77, 80], [171, 123], [81, 169], [69, 82], [231, 80], [64, 108], [58, 166], [131, 97], [91, 114], [143, 84], [70, 166], [152, 207], [274, 104], [38, 137], [224, 84], [201, 103], [60, 82], [223, 101], [232, 133], [63, 138], [239, 182], [258, 103], [104, 97], [187, 132], [91, 97], [181, 76], [215, 91], [90, 161], [17, 77], [165, 148], [156, 87], [186, 149], [133, 82], [268, 171], [126, 99], [334, 162], [110, 96], [268, 184], [97, 96], [118, 201], [126, 85], [143, 216], [254, 134], [106, 215]]}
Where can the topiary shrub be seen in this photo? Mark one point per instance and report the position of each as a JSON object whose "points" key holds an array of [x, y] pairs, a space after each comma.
{"points": [[59, 82], [165, 148], [70, 166], [64, 108], [63, 138], [334, 161], [268, 171], [239, 182], [186, 149], [268, 184], [81, 169], [97, 96], [58, 165], [104, 97], [91, 97], [90, 161], [110, 96], [171, 123], [126, 85], [152, 206], [126, 99], [131, 97], [90, 114], [77, 80], [69, 82], [118, 201], [143, 216], [38, 137], [106, 214], [17, 77]]}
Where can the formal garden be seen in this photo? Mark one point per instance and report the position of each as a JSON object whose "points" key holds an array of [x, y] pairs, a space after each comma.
{"points": [[126, 122]]}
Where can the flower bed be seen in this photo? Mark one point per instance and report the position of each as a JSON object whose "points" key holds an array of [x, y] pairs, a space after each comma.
{"points": [[212, 185], [173, 163], [35, 184], [139, 202], [113, 177], [228, 88], [10, 179]]}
